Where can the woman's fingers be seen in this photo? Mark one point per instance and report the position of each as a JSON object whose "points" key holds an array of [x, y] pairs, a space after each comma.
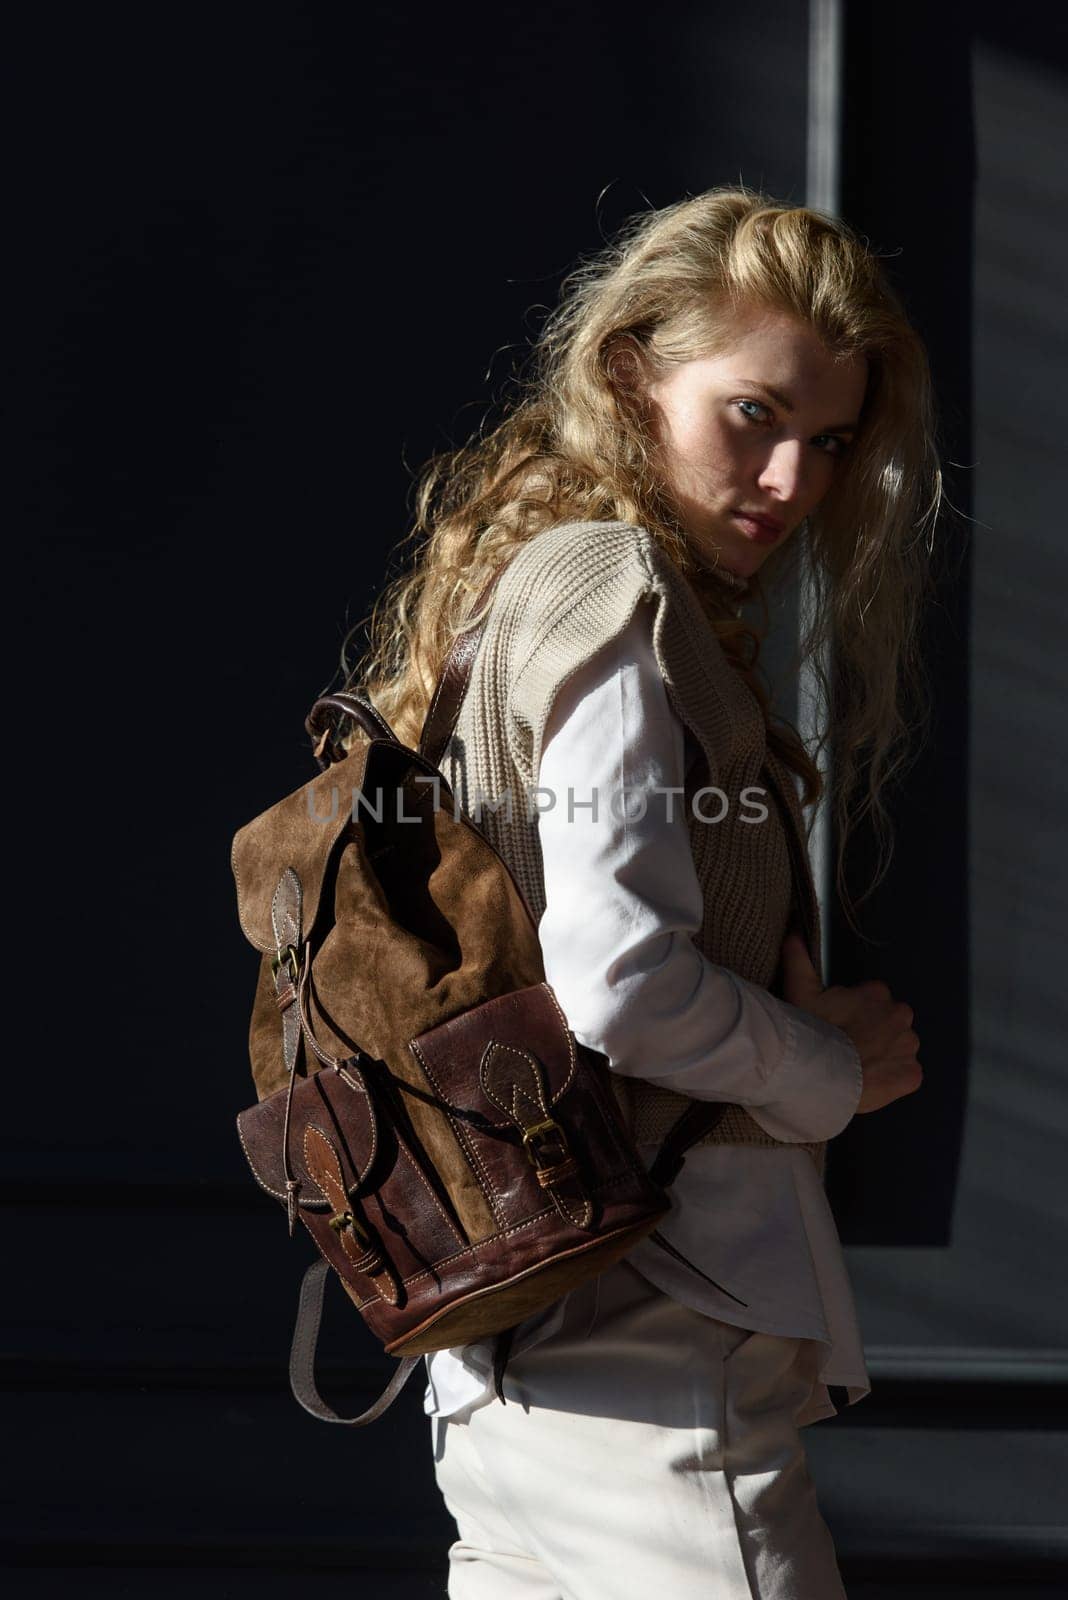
{"points": [[879, 1026], [881, 1029]]}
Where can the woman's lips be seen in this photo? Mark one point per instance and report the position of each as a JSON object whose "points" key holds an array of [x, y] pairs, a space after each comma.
{"points": [[759, 532]]}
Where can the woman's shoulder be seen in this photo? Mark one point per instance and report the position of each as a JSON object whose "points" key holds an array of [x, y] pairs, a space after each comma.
{"points": [[593, 571], [568, 593], [577, 555], [576, 586]]}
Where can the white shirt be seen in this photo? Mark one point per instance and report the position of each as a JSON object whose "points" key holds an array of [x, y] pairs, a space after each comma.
{"points": [[622, 905]]}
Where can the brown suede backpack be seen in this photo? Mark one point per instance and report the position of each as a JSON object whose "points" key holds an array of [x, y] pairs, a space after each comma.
{"points": [[458, 1157]]}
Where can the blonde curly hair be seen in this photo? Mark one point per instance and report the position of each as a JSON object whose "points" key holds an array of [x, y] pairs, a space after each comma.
{"points": [[571, 445]]}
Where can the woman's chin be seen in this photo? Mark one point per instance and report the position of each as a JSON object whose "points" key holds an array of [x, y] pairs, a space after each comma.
{"points": [[739, 558]]}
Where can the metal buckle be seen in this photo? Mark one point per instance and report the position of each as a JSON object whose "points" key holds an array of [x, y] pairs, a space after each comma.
{"points": [[544, 1130], [282, 957]]}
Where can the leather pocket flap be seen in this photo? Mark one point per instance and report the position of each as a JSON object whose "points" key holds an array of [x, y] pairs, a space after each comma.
{"points": [[332, 1138], [501, 1059]]}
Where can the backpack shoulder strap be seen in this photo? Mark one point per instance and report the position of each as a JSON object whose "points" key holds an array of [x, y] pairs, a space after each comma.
{"points": [[444, 708]]}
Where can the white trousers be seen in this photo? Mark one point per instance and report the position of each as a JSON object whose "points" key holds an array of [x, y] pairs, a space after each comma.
{"points": [[643, 1449]]}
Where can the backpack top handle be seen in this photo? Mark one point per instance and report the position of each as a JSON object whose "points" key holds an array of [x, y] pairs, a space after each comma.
{"points": [[323, 729]]}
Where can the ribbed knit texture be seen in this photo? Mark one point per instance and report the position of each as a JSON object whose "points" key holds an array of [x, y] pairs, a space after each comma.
{"points": [[563, 595]]}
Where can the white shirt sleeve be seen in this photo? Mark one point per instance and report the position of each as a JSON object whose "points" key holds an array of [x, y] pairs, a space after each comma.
{"points": [[623, 902]]}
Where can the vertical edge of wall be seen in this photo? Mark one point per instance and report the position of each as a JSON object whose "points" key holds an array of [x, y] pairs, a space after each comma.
{"points": [[907, 158]]}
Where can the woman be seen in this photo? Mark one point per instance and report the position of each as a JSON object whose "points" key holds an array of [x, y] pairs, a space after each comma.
{"points": [[730, 383]]}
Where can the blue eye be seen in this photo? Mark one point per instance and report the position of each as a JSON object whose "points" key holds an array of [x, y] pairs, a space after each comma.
{"points": [[841, 445]]}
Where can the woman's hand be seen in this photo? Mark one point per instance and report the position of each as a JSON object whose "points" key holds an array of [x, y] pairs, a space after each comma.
{"points": [[879, 1026]]}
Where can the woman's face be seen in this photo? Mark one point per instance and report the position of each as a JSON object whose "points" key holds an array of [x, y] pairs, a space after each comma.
{"points": [[762, 430]]}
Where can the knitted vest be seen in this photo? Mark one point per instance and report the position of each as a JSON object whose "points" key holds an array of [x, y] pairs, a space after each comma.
{"points": [[565, 593]]}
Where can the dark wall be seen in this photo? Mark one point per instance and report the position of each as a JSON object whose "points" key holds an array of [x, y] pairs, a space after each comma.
{"points": [[271, 269], [273, 258]]}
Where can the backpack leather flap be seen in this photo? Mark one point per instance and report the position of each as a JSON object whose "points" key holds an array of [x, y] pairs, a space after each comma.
{"points": [[299, 832], [500, 1069], [505, 1062], [360, 1190], [329, 1109]]}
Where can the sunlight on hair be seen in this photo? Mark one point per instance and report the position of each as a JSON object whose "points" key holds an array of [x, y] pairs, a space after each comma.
{"points": [[571, 445]]}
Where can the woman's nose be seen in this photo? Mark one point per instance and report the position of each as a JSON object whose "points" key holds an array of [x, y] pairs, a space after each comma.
{"points": [[784, 470]]}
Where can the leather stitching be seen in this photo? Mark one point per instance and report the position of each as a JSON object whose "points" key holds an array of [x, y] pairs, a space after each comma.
{"points": [[279, 1194], [371, 1118], [555, 1094], [493, 1199], [505, 1233], [480, 1174], [405, 1153]]}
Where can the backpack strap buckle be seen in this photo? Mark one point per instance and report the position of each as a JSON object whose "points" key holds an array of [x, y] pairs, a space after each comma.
{"points": [[286, 957], [512, 1079], [547, 1132]]}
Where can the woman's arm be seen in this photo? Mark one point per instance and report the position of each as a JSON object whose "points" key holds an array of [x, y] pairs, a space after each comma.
{"points": [[623, 903]]}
